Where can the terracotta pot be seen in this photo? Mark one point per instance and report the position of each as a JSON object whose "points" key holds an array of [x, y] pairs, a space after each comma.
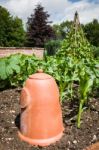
{"points": [[93, 147], [41, 116]]}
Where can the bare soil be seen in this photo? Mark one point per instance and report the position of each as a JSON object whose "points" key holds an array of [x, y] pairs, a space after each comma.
{"points": [[73, 138]]}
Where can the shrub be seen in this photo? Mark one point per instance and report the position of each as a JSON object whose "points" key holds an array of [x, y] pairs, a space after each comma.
{"points": [[52, 46], [96, 51]]}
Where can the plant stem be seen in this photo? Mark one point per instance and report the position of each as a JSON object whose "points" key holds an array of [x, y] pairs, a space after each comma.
{"points": [[79, 113], [71, 89]]}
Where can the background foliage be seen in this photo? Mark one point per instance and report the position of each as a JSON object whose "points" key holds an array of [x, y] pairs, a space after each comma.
{"points": [[11, 30], [92, 32], [39, 31], [51, 47]]}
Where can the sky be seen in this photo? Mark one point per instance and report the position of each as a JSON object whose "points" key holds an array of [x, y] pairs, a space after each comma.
{"points": [[59, 10]]}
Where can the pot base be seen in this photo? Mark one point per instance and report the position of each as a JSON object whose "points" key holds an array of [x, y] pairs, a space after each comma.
{"points": [[93, 147], [40, 142]]}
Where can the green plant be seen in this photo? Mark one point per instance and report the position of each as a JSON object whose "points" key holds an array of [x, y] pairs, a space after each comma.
{"points": [[86, 81], [9, 66], [80, 63], [15, 69]]}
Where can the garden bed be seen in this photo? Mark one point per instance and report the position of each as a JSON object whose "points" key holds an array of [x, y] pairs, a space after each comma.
{"points": [[73, 138]]}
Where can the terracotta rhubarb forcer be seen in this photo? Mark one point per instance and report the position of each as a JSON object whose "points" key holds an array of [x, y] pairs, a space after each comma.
{"points": [[93, 147], [41, 116]]}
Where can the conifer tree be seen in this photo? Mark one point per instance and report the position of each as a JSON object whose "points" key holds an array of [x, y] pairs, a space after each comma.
{"points": [[38, 28]]}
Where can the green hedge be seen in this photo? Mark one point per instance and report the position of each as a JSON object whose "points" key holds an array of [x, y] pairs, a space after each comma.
{"points": [[51, 47], [96, 52]]}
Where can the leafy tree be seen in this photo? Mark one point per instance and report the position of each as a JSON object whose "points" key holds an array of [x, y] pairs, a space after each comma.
{"points": [[5, 20], [62, 29], [92, 32], [57, 30], [11, 29], [16, 35], [38, 28]]}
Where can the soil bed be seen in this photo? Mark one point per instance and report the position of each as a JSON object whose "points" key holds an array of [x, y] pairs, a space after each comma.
{"points": [[73, 138]]}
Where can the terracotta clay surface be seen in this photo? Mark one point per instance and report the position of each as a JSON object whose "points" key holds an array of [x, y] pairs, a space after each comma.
{"points": [[93, 147], [41, 116]]}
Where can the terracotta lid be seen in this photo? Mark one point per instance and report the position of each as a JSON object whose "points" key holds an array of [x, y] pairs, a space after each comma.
{"points": [[40, 75]]}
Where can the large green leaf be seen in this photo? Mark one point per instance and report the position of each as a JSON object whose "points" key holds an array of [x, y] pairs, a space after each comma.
{"points": [[3, 74]]}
